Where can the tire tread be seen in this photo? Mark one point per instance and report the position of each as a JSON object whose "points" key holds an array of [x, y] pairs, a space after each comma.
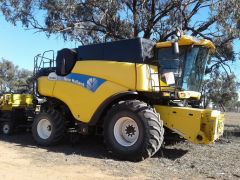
{"points": [[153, 129]]}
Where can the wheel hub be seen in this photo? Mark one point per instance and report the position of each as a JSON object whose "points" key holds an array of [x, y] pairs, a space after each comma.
{"points": [[49, 128], [6, 128], [126, 131], [44, 128], [130, 130]]}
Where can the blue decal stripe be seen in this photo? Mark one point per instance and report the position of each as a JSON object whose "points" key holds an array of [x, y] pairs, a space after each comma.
{"points": [[90, 82]]}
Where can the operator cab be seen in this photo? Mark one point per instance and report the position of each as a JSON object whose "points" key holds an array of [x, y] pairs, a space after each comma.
{"points": [[183, 71], [188, 68]]}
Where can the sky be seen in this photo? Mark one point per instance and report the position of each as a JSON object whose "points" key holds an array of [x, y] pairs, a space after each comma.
{"points": [[21, 46]]}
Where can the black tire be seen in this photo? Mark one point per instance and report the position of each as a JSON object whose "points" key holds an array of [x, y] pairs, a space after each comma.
{"points": [[7, 128], [149, 126], [57, 127]]}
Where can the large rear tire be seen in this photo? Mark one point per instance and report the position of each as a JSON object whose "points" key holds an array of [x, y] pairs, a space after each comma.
{"points": [[133, 130], [48, 127]]}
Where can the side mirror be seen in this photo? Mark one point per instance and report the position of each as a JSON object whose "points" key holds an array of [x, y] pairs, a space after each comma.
{"points": [[175, 44], [175, 47]]}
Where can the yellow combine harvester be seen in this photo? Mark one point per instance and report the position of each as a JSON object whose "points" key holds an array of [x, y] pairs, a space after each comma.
{"points": [[128, 91]]}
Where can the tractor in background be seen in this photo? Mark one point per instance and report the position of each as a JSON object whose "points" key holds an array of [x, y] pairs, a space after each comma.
{"points": [[16, 112]]}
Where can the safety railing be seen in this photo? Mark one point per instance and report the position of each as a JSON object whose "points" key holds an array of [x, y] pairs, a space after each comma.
{"points": [[45, 60], [42, 61]]}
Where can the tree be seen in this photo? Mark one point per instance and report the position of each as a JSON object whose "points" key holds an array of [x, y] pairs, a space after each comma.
{"points": [[91, 21], [12, 78], [221, 90]]}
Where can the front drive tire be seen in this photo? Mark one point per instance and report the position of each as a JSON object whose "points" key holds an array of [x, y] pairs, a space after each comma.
{"points": [[133, 131], [48, 127]]}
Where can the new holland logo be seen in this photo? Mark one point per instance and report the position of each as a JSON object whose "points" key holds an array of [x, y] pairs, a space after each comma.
{"points": [[92, 84]]}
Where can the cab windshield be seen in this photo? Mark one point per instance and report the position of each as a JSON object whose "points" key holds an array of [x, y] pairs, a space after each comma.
{"points": [[188, 67]]}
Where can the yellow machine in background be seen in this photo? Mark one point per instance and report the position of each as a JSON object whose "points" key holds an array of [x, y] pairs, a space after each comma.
{"points": [[128, 91], [11, 101], [14, 110]]}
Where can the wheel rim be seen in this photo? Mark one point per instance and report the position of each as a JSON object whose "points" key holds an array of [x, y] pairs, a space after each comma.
{"points": [[44, 128], [126, 131], [6, 128]]}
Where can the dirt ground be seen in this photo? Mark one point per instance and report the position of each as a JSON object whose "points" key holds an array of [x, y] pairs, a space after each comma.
{"points": [[20, 158]]}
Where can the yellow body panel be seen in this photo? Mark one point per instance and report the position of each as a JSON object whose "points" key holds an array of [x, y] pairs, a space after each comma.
{"points": [[199, 126], [130, 75], [121, 73], [118, 77], [188, 40], [83, 102], [45, 86]]}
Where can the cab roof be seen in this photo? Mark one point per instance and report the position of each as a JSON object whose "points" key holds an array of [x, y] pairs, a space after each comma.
{"points": [[136, 50], [188, 40]]}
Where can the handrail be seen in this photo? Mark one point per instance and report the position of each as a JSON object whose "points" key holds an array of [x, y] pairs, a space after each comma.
{"points": [[40, 61]]}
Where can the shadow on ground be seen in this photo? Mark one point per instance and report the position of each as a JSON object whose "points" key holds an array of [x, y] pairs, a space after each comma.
{"points": [[90, 146], [170, 153], [86, 146]]}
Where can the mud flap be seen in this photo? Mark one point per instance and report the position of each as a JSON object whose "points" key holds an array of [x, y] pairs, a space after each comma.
{"points": [[199, 126]]}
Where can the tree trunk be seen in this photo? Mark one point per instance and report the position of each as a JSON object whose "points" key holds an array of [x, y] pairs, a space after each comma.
{"points": [[135, 19]]}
